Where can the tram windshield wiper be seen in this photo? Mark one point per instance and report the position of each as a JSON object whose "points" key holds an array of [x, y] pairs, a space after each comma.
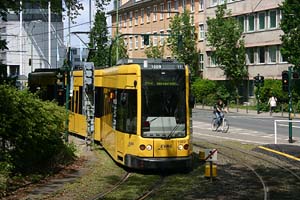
{"points": [[173, 131]]}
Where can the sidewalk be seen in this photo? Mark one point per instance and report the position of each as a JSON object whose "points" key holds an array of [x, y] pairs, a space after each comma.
{"points": [[250, 112]]}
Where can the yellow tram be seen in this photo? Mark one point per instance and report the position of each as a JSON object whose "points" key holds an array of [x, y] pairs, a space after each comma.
{"points": [[142, 113]]}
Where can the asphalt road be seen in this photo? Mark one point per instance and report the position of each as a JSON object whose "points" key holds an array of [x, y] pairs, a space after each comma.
{"points": [[257, 128]]}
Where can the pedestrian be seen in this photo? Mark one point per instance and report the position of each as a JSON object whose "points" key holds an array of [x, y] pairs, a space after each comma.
{"points": [[272, 103]]}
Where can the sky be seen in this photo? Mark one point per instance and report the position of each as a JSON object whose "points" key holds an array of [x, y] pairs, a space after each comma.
{"points": [[82, 24]]}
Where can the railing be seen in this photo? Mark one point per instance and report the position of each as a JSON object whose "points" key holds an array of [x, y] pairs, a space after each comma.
{"points": [[275, 126]]}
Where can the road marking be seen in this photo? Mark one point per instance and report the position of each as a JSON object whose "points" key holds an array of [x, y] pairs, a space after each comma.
{"points": [[280, 153], [285, 125], [228, 138]]}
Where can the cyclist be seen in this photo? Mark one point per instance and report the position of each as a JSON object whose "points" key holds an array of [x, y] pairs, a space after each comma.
{"points": [[218, 111]]}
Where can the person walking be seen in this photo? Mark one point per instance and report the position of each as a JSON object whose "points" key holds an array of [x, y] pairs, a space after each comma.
{"points": [[272, 102]]}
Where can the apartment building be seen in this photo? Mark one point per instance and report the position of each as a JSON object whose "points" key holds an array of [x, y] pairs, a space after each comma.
{"points": [[260, 20], [31, 44]]}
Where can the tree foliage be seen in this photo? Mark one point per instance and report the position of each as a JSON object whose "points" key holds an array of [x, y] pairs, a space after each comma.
{"points": [[99, 40], [155, 51], [290, 25], [187, 52], [224, 35], [30, 132], [122, 50]]}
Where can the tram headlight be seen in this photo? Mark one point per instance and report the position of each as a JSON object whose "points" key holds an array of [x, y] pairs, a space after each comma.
{"points": [[149, 147], [180, 147]]}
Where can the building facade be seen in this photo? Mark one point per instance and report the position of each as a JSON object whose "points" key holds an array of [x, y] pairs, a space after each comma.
{"points": [[260, 20], [31, 44]]}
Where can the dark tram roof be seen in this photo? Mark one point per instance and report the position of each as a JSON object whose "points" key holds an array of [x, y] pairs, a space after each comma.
{"points": [[151, 62]]}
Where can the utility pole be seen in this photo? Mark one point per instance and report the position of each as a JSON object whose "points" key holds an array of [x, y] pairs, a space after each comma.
{"points": [[258, 82], [290, 106], [117, 26], [49, 33]]}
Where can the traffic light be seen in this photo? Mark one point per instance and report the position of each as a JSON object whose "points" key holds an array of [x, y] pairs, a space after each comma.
{"points": [[88, 77], [285, 81], [256, 80], [146, 39]]}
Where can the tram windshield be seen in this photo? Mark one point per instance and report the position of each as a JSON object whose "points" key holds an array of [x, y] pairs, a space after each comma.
{"points": [[163, 103]]}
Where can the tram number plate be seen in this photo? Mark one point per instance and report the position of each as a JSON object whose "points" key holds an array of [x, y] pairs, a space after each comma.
{"points": [[211, 154]]}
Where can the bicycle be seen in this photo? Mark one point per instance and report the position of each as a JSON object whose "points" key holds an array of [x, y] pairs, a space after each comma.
{"points": [[224, 126]]}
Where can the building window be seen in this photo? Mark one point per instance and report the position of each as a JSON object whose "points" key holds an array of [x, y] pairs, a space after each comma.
{"points": [[221, 2], [162, 38], [136, 42], [201, 61], [192, 5], [142, 16], [241, 20], [125, 20], [125, 42], [261, 21], [142, 41], [214, 2], [272, 54], [211, 59], [251, 23], [192, 20], [201, 5], [130, 19], [155, 39], [148, 14], [272, 19], [136, 16], [176, 5], [261, 55], [183, 4], [162, 8], [155, 13], [282, 58], [169, 9], [120, 21], [201, 32], [130, 43], [250, 55]]}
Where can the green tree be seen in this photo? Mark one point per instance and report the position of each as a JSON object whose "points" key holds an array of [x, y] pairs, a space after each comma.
{"points": [[122, 50], [99, 40], [155, 51], [224, 34], [290, 25], [181, 27]]}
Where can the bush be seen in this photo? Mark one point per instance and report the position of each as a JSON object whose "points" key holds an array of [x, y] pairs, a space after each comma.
{"points": [[30, 132], [208, 91]]}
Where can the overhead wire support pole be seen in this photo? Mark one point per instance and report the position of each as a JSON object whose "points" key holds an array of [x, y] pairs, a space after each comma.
{"points": [[49, 33], [117, 34], [290, 106], [82, 32]]}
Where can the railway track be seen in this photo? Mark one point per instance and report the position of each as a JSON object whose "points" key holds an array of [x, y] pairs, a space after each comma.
{"points": [[263, 168], [122, 181]]}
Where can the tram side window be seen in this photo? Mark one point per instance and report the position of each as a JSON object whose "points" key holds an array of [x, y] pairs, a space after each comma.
{"points": [[76, 102], [127, 111], [80, 100], [99, 100]]}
